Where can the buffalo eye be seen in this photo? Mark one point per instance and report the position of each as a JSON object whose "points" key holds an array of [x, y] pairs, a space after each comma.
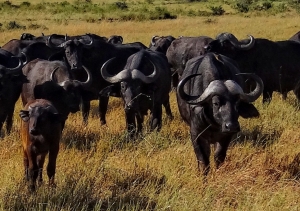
{"points": [[123, 86]]}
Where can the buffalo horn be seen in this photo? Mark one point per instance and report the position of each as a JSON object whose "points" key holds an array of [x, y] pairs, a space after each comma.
{"points": [[153, 40], [85, 84], [90, 44], [181, 92], [52, 74], [88, 81], [51, 44], [254, 95], [136, 74], [241, 45], [16, 70]]}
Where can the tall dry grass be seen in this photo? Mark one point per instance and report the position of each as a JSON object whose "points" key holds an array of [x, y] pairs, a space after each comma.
{"points": [[97, 170]]}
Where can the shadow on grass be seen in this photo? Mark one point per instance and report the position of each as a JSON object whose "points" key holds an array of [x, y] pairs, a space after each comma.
{"points": [[126, 192], [81, 140], [257, 137]]}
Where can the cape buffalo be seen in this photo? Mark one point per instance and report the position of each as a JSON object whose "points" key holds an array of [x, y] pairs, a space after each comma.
{"points": [[276, 63], [161, 43], [51, 80], [40, 134], [11, 81], [181, 50], [145, 84], [93, 59], [210, 100]]}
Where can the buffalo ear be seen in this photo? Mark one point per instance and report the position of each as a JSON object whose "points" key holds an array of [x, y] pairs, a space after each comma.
{"points": [[56, 117], [247, 110], [24, 115]]}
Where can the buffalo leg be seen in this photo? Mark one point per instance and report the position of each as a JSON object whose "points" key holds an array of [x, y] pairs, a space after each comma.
{"points": [[9, 119], [85, 109], [26, 164], [220, 151], [168, 108], [139, 121], [284, 95], [32, 169], [201, 149], [155, 120], [130, 123], [53, 152], [40, 163], [103, 103], [267, 96], [2, 120]]}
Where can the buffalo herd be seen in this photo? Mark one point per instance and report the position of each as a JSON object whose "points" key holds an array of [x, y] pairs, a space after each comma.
{"points": [[216, 82]]}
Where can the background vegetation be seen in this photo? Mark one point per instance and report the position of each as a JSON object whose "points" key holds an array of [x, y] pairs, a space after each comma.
{"points": [[97, 170]]}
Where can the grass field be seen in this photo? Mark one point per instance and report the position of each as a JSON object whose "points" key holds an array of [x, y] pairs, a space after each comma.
{"points": [[96, 170]]}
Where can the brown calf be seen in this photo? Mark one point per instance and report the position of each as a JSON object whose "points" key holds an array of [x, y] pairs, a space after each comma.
{"points": [[40, 134]]}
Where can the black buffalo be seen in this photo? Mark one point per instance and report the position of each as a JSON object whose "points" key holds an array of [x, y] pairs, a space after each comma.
{"points": [[11, 81], [161, 43], [276, 63], [210, 100], [51, 80], [93, 58], [52, 47], [144, 82], [181, 50]]}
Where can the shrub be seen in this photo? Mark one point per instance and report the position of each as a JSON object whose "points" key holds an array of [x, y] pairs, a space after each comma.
{"points": [[37, 26], [282, 7], [243, 5], [25, 4], [14, 25], [263, 6], [121, 5], [217, 10]]}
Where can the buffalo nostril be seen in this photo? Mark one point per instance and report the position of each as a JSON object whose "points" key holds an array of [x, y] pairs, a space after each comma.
{"points": [[232, 127], [33, 132]]}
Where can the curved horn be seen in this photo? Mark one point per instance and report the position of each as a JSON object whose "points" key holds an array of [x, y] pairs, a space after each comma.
{"points": [[121, 39], [52, 74], [87, 45], [254, 95], [108, 77], [15, 70], [241, 45], [153, 40], [88, 81], [24, 55], [136, 74], [181, 92], [51, 44]]}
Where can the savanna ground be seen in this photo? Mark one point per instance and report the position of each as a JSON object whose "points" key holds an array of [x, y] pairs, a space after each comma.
{"points": [[97, 170]]}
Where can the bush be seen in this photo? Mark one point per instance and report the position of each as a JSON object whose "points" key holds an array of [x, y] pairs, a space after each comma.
{"points": [[217, 10], [121, 5], [14, 25], [25, 4], [263, 6], [243, 5]]}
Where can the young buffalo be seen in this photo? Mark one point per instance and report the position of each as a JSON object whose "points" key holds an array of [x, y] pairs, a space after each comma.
{"points": [[40, 134]]}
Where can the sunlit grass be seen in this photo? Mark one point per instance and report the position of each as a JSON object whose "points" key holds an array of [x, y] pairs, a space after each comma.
{"points": [[98, 170]]}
